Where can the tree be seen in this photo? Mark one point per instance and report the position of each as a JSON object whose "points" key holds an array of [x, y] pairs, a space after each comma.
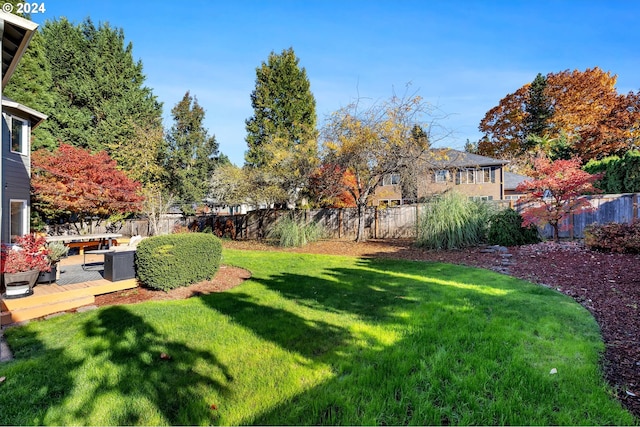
{"points": [[595, 120], [621, 174], [282, 134], [72, 183], [555, 192], [193, 154], [32, 85], [328, 186], [98, 91], [143, 158], [373, 143], [538, 110]]}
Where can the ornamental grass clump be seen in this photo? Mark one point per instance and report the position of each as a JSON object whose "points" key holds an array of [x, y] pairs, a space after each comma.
{"points": [[452, 221], [287, 232], [168, 262]]}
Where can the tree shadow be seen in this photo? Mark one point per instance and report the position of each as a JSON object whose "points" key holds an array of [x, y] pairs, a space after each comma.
{"points": [[151, 366], [124, 358]]}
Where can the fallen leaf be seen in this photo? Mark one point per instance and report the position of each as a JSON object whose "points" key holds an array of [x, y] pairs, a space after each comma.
{"points": [[2, 379], [214, 407], [630, 393], [553, 371], [165, 356]]}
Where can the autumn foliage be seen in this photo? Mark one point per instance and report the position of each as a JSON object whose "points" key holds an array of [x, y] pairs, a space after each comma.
{"points": [[332, 186], [73, 182], [587, 110], [555, 192]]}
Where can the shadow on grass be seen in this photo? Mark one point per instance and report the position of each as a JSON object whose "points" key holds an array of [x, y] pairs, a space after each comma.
{"points": [[460, 359], [124, 356]]}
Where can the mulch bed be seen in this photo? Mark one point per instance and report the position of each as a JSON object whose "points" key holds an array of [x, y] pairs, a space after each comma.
{"points": [[608, 285]]}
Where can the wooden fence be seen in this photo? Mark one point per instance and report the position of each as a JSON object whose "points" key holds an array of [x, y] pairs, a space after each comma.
{"points": [[387, 223]]}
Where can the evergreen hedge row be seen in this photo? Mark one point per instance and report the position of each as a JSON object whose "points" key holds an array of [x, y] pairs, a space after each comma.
{"points": [[168, 262]]}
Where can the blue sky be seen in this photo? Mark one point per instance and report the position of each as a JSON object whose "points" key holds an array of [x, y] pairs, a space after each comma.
{"points": [[460, 56]]}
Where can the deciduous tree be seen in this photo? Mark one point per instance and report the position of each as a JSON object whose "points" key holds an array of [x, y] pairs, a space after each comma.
{"points": [[595, 120], [372, 143], [555, 192], [72, 183], [328, 186]]}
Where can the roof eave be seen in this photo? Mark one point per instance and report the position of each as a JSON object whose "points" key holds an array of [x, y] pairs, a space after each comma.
{"points": [[29, 27]]}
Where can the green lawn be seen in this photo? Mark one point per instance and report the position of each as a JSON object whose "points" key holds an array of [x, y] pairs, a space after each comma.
{"points": [[314, 339]]}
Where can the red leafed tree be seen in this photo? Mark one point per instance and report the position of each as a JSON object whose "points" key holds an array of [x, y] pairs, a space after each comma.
{"points": [[555, 192], [332, 186], [73, 183]]}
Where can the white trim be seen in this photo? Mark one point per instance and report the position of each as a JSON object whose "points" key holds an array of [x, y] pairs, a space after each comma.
{"points": [[25, 216], [26, 134]]}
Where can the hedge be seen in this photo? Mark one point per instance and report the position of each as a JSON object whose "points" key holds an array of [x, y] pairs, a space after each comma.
{"points": [[168, 262]]}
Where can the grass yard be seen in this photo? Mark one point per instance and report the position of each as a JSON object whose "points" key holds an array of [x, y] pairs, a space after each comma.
{"points": [[316, 339]]}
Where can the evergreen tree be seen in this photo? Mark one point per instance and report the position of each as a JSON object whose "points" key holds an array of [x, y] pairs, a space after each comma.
{"points": [[538, 108], [192, 153], [282, 134], [31, 85], [97, 85]]}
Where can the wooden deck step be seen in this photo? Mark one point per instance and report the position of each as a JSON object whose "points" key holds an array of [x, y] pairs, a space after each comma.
{"points": [[49, 299], [36, 311]]}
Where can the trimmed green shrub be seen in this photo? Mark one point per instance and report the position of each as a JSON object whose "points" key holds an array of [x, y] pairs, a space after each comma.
{"points": [[505, 229], [171, 261], [288, 232], [452, 221], [613, 237], [621, 174]]}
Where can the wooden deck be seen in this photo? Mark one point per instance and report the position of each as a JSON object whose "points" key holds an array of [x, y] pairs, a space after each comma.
{"points": [[49, 299]]}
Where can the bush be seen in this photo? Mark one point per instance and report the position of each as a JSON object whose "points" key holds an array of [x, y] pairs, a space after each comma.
{"points": [[505, 229], [613, 237], [452, 221], [290, 233], [168, 262]]}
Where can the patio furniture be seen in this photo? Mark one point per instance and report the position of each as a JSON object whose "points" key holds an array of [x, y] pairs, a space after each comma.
{"points": [[119, 265], [83, 241], [94, 252]]}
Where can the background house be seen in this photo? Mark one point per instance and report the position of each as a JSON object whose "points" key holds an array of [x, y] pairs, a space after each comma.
{"points": [[17, 123], [445, 169], [511, 182]]}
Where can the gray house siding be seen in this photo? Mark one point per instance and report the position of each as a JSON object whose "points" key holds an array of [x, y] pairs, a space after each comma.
{"points": [[15, 178]]}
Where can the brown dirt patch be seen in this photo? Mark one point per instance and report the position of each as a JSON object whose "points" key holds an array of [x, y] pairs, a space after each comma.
{"points": [[608, 285]]}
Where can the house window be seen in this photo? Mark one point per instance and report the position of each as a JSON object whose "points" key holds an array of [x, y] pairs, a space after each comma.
{"points": [[389, 203], [18, 219], [467, 176], [485, 175], [19, 135], [391, 179], [442, 176], [481, 198]]}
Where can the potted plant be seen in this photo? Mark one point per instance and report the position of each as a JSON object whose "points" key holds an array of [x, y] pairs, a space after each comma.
{"points": [[22, 263], [57, 251]]}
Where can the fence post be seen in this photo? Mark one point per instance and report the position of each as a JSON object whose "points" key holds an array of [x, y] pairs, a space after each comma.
{"points": [[375, 222], [340, 223]]}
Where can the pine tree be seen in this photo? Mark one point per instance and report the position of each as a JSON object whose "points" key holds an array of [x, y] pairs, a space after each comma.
{"points": [[282, 134], [539, 110], [193, 154]]}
